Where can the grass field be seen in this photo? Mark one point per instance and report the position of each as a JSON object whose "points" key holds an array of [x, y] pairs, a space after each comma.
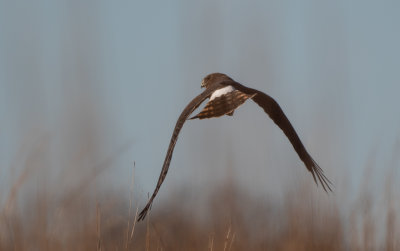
{"points": [[231, 220]]}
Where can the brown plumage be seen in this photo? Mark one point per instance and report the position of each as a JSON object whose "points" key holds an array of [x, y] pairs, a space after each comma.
{"points": [[225, 96], [223, 105]]}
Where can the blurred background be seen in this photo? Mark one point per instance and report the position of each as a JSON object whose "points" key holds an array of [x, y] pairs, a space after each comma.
{"points": [[90, 92]]}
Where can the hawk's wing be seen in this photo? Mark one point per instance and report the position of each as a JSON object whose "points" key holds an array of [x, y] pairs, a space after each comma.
{"points": [[223, 104], [181, 120], [272, 108]]}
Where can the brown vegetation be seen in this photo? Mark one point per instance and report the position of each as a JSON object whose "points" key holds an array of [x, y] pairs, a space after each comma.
{"points": [[233, 220]]}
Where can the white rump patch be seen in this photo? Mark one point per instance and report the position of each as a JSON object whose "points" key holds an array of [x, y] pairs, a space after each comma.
{"points": [[221, 92]]}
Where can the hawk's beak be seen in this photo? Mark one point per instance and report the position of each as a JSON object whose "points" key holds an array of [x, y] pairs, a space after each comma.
{"points": [[202, 84]]}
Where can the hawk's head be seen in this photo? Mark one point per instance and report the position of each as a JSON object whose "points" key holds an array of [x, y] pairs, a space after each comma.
{"points": [[214, 78]]}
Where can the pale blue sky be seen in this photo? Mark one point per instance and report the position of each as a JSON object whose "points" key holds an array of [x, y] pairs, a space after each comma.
{"points": [[132, 66]]}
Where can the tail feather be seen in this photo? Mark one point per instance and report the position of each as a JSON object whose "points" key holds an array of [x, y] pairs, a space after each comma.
{"points": [[223, 105]]}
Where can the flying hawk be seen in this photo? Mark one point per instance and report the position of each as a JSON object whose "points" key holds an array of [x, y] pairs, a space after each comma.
{"points": [[225, 96]]}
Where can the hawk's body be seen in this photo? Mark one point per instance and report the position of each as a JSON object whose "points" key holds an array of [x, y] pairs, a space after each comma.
{"points": [[225, 96], [223, 101], [221, 92]]}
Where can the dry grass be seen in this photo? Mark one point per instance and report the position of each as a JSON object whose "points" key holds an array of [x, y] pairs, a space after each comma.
{"points": [[91, 217], [233, 220]]}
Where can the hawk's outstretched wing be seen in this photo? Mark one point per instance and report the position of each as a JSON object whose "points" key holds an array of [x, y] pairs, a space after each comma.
{"points": [[181, 120], [272, 108]]}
